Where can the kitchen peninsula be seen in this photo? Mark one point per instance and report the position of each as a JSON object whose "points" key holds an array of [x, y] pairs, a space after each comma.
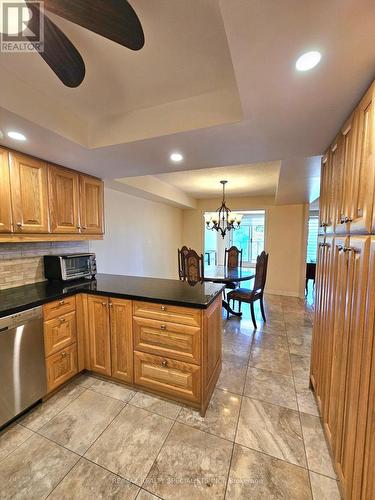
{"points": [[156, 334]]}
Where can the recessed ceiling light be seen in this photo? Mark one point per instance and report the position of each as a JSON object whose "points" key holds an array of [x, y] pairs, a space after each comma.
{"points": [[308, 60], [17, 136], [176, 157]]}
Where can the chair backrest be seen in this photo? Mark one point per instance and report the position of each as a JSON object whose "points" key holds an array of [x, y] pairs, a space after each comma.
{"points": [[193, 267], [181, 262], [233, 257], [261, 272]]}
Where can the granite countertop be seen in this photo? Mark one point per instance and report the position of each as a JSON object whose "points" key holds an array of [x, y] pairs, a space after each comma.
{"points": [[157, 290]]}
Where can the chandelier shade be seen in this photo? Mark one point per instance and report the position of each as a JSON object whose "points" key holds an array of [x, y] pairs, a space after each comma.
{"points": [[223, 220]]}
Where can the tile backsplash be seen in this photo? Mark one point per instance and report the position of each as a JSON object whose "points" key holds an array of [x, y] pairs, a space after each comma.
{"points": [[22, 263]]}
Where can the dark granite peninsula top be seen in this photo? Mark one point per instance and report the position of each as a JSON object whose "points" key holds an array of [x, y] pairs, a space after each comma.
{"points": [[157, 290]]}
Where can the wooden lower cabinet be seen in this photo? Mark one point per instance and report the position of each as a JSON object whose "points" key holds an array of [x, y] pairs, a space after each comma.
{"points": [[59, 333], [168, 376], [99, 335], [61, 367], [121, 339]]}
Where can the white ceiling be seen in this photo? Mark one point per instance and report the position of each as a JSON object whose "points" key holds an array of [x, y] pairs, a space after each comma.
{"points": [[216, 82], [243, 180]]}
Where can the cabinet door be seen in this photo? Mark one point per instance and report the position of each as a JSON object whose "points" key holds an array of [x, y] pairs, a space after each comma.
{"points": [[344, 175], [61, 367], [352, 364], [28, 178], [340, 265], [364, 460], [91, 205], [323, 193], [99, 335], [362, 180], [333, 188], [318, 323], [63, 200], [121, 339], [5, 203]]}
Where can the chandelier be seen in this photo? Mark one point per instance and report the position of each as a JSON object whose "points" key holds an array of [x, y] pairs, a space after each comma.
{"points": [[223, 220]]}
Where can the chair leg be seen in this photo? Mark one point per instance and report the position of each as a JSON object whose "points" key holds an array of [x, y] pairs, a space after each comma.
{"points": [[262, 309], [253, 314], [239, 306]]}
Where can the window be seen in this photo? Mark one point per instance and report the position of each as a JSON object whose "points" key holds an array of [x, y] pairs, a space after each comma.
{"points": [[312, 239], [250, 236]]}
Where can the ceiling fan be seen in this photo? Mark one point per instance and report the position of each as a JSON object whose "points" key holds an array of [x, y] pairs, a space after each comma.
{"points": [[112, 19]]}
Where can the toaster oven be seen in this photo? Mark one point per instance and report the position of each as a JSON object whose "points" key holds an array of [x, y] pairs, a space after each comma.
{"points": [[70, 266]]}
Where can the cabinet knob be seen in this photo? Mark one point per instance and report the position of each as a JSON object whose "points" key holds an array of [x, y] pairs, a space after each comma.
{"points": [[63, 354], [348, 219], [19, 225], [62, 302], [347, 249], [339, 247], [163, 308], [104, 304], [79, 227], [84, 227], [110, 304], [62, 320], [164, 363], [163, 327]]}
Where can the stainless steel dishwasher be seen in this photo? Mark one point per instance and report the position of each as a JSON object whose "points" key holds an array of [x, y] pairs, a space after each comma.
{"points": [[22, 368]]}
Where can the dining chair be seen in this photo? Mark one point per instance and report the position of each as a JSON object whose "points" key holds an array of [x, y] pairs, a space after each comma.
{"points": [[193, 267], [181, 262], [232, 259], [250, 296]]}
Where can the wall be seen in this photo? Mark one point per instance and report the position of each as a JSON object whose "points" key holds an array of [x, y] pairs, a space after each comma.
{"points": [[22, 263], [286, 236], [141, 237]]}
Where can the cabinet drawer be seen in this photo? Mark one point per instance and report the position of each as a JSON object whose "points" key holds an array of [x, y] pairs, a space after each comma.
{"points": [[165, 312], [59, 333], [61, 367], [175, 341], [171, 377], [59, 307]]}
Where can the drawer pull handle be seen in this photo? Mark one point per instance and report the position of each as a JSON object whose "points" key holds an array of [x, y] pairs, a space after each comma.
{"points": [[62, 320], [163, 327], [110, 304], [63, 354], [104, 303], [62, 302], [163, 308], [164, 363]]}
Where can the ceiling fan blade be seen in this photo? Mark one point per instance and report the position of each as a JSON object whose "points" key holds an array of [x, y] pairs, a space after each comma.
{"points": [[59, 52], [113, 19]]}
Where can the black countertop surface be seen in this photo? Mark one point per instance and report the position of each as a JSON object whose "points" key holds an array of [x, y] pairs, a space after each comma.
{"points": [[158, 290]]}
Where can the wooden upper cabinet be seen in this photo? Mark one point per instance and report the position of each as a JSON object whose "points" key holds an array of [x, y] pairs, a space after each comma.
{"points": [[92, 192], [333, 188], [5, 203], [28, 177], [361, 196], [344, 175], [63, 200]]}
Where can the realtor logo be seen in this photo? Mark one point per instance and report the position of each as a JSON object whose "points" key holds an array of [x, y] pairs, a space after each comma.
{"points": [[21, 26]]}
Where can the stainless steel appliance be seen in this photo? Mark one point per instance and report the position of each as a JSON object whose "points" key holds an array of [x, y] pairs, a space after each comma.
{"points": [[70, 266], [22, 369]]}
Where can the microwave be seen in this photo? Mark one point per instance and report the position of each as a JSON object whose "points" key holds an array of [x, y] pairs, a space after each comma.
{"points": [[70, 266]]}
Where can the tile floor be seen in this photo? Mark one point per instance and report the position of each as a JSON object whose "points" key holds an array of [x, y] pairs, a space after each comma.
{"points": [[261, 437]]}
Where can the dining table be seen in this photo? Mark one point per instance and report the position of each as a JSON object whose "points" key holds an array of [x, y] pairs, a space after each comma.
{"points": [[228, 275]]}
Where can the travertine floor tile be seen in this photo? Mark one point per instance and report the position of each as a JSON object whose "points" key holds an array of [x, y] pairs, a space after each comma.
{"points": [[269, 341], [43, 413], [233, 373], [305, 397], [300, 366], [85, 380], [318, 457], [131, 443], [300, 344], [267, 359], [324, 488], [157, 405], [256, 476], [191, 465], [11, 438], [81, 422], [87, 481], [270, 387], [113, 390], [272, 429], [221, 415], [34, 469], [145, 495]]}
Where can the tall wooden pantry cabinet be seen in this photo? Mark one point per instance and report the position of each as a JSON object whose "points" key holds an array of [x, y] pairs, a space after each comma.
{"points": [[343, 352]]}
